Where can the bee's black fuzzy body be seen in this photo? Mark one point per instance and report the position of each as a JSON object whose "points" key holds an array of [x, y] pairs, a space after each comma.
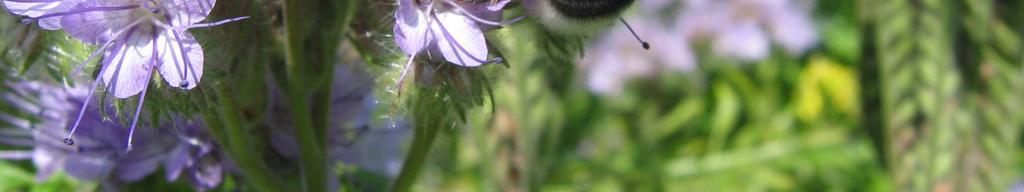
{"points": [[590, 9], [577, 16]]}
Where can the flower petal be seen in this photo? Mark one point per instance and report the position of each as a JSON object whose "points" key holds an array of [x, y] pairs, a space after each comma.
{"points": [[181, 59], [186, 12], [33, 8], [208, 173], [411, 26], [135, 170], [459, 39], [745, 41], [792, 29], [176, 161], [36, 8], [127, 67], [88, 167], [98, 21], [486, 10], [46, 163], [53, 23]]}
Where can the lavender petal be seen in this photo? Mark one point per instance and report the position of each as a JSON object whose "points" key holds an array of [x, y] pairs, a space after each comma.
{"points": [[97, 26], [130, 63], [460, 39], [181, 59]]}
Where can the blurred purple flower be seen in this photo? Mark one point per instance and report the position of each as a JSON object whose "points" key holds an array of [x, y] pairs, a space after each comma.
{"points": [[181, 146], [353, 137], [44, 11], [195, 156], [745, 41], [455, 28], [740, 29], [144, 35], [615, 58], [744, 29]]}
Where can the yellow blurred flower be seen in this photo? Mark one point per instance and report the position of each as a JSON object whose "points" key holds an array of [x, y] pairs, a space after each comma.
{"points": [[822, 79]]}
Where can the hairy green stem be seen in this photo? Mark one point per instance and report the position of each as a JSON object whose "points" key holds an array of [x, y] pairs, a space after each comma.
{"points": [[423, 137], [231, 136], [313, 31]]}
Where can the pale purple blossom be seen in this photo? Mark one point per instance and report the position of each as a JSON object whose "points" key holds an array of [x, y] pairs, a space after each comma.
{"points": [[453, 28], [181, 146], [136, 37], [196, 157], [745, 29], [614, 59], [354, 137], [744, 41]]}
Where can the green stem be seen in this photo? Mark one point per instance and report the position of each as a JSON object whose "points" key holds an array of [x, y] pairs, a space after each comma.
{"points": [[232, 137], [313, 31], [321, 107], [311, 156], [423, 137]]}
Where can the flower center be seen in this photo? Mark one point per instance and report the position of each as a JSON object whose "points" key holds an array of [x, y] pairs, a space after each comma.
{"points": [[152, 7]]}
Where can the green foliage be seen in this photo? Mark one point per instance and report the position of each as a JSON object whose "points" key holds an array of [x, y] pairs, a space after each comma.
{"points": [[940, 70], [724, 127]]}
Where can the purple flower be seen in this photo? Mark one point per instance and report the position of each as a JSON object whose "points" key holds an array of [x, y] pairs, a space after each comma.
{"points": [[195, 157], [454, 28], [45, 11], [614, 59], [353, 138], [744, 29], [745, 41], [99, 152], [181, 146], [142, 35]]}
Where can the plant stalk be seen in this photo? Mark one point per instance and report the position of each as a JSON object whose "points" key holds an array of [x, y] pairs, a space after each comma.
{"points": [[231, 136]]}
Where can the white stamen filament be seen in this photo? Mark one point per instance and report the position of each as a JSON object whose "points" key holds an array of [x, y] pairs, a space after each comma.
{"points": [[197, 25], [401, 78], [138, 110], [85, 104], [142, 98]]}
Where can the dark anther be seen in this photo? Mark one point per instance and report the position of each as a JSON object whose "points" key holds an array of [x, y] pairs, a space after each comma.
{"points": [[69, 141]]}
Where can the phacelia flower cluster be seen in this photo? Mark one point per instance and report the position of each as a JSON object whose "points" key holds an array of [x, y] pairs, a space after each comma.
{"points": [[181, 147], [454, 29], [135, 38]]}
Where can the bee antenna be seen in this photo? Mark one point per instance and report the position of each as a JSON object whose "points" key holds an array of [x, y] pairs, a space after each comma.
{"points": [[646, 45]]}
